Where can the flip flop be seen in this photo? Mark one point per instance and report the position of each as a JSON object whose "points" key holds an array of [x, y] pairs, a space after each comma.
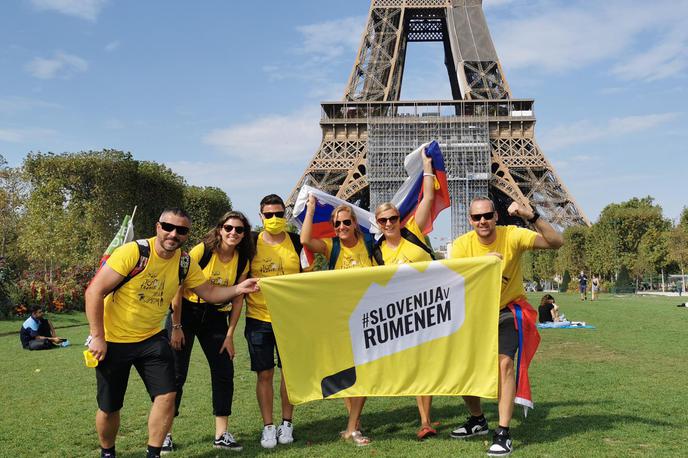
{"points": [[425, 432], [356, 438]]}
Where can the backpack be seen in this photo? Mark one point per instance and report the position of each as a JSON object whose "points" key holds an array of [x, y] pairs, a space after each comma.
{"points": [[295, 240], [406, 234], [207, 254], [337, 246], [144, 255]]}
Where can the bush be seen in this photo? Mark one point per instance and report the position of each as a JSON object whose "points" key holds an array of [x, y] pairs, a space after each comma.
{"points": [[64, 293]]}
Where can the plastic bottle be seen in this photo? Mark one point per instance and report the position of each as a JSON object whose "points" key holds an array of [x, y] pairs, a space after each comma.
{"points": [[89, 359]]}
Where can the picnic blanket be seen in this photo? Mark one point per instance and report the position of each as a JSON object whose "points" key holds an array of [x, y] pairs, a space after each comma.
{"points": [[565, 325]]}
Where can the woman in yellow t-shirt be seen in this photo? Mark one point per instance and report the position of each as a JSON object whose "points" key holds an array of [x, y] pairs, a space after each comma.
{"points": [[396, 249], [225, 250], [352, 254]]}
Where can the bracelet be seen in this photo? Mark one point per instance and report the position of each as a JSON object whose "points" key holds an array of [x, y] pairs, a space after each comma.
{"points": [[426, 174], [177, 326], [535, 217]]}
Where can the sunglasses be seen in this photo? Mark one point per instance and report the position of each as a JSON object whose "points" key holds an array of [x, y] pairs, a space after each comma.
{"points": [[346, 222], [268, 215], [168, 227], [238, 229], [391, 219], [488, 216]]}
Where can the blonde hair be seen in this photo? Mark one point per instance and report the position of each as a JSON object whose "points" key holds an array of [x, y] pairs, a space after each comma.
{"points": [[352, 214], [383, 207]]}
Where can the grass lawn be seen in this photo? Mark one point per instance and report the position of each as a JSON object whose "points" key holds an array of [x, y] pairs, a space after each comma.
{"points": [[618, 390]]}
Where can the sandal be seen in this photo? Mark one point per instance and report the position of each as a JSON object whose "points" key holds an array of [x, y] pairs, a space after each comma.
{"points": [[425, 432], [358, 439]]}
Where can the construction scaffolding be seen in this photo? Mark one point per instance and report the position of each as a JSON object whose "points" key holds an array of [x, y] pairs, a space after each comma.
{"points": [[465, 146]]}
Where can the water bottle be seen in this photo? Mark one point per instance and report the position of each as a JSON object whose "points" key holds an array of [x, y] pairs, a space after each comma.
{"points": [[89, 359]]}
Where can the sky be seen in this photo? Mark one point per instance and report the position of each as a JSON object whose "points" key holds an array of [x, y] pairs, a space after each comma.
{"points": [[227, 93]]}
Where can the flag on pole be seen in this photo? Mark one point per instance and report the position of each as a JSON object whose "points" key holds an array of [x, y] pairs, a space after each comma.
{"points": [[427, 328], [124, 234], [410, 193]]}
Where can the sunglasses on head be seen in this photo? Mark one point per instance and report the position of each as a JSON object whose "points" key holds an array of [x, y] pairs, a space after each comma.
{"points": [[346, 222], [238, 229], [169, 227], [391, 219], [268, 215], [488, 216]]}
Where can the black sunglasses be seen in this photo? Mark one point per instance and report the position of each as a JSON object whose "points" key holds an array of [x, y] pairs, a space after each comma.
{"points": [[346, 222], [238, 229], [269, 215], [391, 219], [169, 227], [488, 216]]}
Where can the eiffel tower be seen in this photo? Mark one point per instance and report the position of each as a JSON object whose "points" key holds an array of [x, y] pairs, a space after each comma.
{"points": [[487, 136]]}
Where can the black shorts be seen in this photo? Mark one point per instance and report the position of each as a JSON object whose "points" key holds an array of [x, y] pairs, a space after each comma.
{"points": [[508, 334], [153, 361], [261, 345]]}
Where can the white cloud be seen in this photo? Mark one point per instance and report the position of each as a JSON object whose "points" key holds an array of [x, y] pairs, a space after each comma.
{"points": [[496, 3], [329, 40], [13, 104], [556, 38], [24, 135], [84, 9], [112, 46], [61, 64], [273, 138], [587, 131]]}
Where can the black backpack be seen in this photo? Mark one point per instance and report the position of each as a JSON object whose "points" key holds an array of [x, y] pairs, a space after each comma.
{"points": [[208, 253], [408, 235], [144, 255]]}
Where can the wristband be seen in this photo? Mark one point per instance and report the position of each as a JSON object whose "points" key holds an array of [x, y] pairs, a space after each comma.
{"points": [[177, 326], [535, 217], [426, 174]]}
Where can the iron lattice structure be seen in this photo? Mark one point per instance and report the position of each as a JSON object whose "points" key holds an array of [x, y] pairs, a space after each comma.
{"points": [[366, 133]]}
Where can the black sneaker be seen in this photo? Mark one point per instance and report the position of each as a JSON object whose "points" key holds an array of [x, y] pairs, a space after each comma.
{"points": [[167, 445], [501, 443], [226, 441], [472, 427]]}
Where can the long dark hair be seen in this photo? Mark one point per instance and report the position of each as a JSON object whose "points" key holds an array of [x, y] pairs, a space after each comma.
{"points": [[546, 298], [213, 239]]}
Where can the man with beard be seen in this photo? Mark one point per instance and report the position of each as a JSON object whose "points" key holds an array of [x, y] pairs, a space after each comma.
{"points": [[125, 305]]}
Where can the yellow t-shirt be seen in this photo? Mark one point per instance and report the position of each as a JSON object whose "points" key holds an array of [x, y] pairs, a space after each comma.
{"points": [[134, 312], [356, 256], [217, 272], [406, 251], [270, 261], [511, 242]]}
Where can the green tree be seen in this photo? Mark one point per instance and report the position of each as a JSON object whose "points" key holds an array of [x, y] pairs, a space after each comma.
{"points": [[572, 255], [13, 192], [677, 247], [652, 255], [206, 206]]}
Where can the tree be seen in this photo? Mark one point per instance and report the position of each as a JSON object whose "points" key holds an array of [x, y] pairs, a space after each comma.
{"points": [[652, 255], [13, 191], [572, 255], [677, 247], [205, 206]]}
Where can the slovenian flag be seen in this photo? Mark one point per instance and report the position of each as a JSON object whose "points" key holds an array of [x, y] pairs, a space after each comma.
{"points": [[124, 234], [411, 192]]}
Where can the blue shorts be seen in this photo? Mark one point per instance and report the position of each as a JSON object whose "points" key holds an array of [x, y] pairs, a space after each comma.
{"points": [[262, 345]]}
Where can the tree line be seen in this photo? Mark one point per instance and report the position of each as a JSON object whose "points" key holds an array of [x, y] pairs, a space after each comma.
{"points": [[631, 239], [59, 212]]}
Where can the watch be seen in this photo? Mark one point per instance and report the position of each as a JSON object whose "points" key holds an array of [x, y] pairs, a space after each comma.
{"points": [[535, 217]]}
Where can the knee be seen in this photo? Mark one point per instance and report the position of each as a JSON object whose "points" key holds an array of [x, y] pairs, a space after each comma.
{"points": [[265, 376], [166, 398], [506, 367]]}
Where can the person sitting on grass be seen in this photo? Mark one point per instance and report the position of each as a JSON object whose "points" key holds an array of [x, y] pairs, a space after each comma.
{"points": [[548, 311], [37, 333]]}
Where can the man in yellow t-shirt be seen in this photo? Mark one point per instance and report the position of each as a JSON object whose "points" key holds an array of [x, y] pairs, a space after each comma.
{"points": [[508, 243], [275, 255], [125, 325]]}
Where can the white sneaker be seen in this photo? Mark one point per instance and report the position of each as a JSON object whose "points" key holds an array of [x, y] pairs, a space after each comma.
{"points": [[285, 433], [269, 437]]}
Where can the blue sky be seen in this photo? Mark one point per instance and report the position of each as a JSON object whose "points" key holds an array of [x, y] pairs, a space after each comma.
{"points": [[227, 93]]}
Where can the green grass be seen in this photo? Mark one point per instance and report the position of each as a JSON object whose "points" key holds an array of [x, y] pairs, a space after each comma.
{"points": [[618, 390]]}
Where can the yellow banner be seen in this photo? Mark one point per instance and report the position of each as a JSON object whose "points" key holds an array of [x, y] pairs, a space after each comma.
{"points": [[428, 328]]}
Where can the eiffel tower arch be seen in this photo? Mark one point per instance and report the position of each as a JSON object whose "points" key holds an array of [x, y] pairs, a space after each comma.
{"points": [[487, 136]]}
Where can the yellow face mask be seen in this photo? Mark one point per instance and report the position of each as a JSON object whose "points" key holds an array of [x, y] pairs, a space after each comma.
{"points": [[275, 225]]}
